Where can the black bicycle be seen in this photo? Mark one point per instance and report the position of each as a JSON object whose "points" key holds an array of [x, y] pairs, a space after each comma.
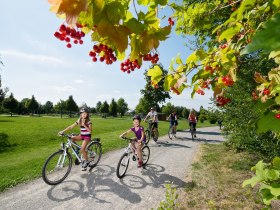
{"points": [[172, 131], [124, 160], [192, 131], [58, 165], [151, 132]]}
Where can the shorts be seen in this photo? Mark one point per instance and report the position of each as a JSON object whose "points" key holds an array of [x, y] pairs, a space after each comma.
{"points": [[173, 122], [154, 125], [87, 138]]}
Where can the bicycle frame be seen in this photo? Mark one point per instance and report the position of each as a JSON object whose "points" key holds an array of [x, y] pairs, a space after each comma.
{"points": [[71, 144]]}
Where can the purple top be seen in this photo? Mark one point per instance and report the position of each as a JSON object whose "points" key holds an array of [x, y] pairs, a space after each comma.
{"points": [[138, 133]]}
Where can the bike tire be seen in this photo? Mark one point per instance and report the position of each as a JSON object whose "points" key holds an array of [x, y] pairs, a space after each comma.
{"points": [[145, 154], [148, 136], [94, 151], [170, 133], [51, 170], [122, 164], [155, 135]]}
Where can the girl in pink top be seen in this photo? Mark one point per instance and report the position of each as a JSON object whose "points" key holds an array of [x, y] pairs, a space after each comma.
{"points": [[85, 128]]}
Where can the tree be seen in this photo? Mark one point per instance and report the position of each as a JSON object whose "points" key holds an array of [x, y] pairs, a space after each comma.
{"points": [[113, 108], [224, 30], [154, 93], [32, 105], [48, 107], [71, 105], [142, 106], [98, 106], [104, 108], [11, 104], [60, 107], [203, 114], [122, 106], [185, 112], [168, 108], [3, 91]]}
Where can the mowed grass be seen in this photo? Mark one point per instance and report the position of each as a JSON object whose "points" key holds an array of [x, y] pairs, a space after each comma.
{"points": [[216, 180], [26, 142]]}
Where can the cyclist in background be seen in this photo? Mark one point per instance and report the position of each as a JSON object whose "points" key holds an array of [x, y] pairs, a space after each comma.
{"points": [[173, 121], [85, 135], [140, 139], [192, 120], [154, 117]]}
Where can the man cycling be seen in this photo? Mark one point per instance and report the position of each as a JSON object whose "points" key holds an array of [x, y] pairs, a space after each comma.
{"points": [[173, 121], [154, 117]]}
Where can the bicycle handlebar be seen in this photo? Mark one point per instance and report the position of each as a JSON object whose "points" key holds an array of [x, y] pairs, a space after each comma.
{"points": [[68, 135]]}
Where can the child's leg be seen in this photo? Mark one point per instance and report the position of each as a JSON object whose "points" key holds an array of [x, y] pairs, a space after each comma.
{"points": [[83, 149], [139, 152]]}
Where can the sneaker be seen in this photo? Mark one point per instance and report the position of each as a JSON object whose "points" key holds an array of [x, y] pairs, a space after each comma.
{"points": [[85, 165], [140, 164]]}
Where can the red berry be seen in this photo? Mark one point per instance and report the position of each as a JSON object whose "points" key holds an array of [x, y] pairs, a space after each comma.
{"points": [[69, 45], [277, 116], [81, 41]]}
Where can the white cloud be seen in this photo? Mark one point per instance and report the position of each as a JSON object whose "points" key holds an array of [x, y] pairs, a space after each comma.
{"points": [[65, 88], [33, 57], [79, 81]]}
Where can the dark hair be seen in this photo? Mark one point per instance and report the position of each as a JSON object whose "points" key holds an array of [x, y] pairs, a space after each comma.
{"points": [[137, 117]]}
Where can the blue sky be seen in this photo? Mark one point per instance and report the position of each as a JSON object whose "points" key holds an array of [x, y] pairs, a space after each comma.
{"points": [[36, 63]]}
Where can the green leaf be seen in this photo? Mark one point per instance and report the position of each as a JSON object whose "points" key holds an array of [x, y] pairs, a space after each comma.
{"points": [[253, 181], [229, 33], [135, 26], [161, 2], [245, 5], [178, 59], [143, 2], [276, 162], [155, 71], [115, 12], [169, 81], [268, 122], [151, 19], [267, 39], [275, 190]]}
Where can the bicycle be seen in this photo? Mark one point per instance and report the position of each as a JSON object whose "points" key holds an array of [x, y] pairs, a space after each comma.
{"points": [[124, 160], [172, 131], [151, 133], [59, 164], [192, 131]]}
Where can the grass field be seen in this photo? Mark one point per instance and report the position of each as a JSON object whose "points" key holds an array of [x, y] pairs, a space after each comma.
{"points": [[216, 180], [26, 142]]}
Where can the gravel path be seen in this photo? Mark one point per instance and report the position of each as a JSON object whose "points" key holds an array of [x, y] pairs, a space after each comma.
{"points": [[170, 161]]}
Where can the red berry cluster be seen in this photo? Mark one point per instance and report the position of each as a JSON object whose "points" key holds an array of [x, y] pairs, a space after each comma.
{"points": [[221, 101], [107, 54], [223, 46], [175, 90], [266, 91], [149, 57], [170, 21], [227, 80], [66, 33], [128, 65], [200, 91], [277, 116], [205, 84], [254, 96]]}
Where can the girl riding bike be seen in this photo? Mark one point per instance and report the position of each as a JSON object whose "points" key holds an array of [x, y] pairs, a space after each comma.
{"points": [[140, 139], [85, 135]]}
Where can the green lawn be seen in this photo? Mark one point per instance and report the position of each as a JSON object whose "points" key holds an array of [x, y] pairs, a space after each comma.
{"points": [[26, 142]]}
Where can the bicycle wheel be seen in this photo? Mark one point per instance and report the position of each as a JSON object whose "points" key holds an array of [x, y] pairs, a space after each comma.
{"points": [[155, 135], [148, 136], [57, 167], [170, 133], [94, 151], [145, 154], [122, 165]]}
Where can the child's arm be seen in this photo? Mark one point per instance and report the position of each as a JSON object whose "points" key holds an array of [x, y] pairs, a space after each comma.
{"points": [[88, 127], [125, 133], [68, 128]]}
